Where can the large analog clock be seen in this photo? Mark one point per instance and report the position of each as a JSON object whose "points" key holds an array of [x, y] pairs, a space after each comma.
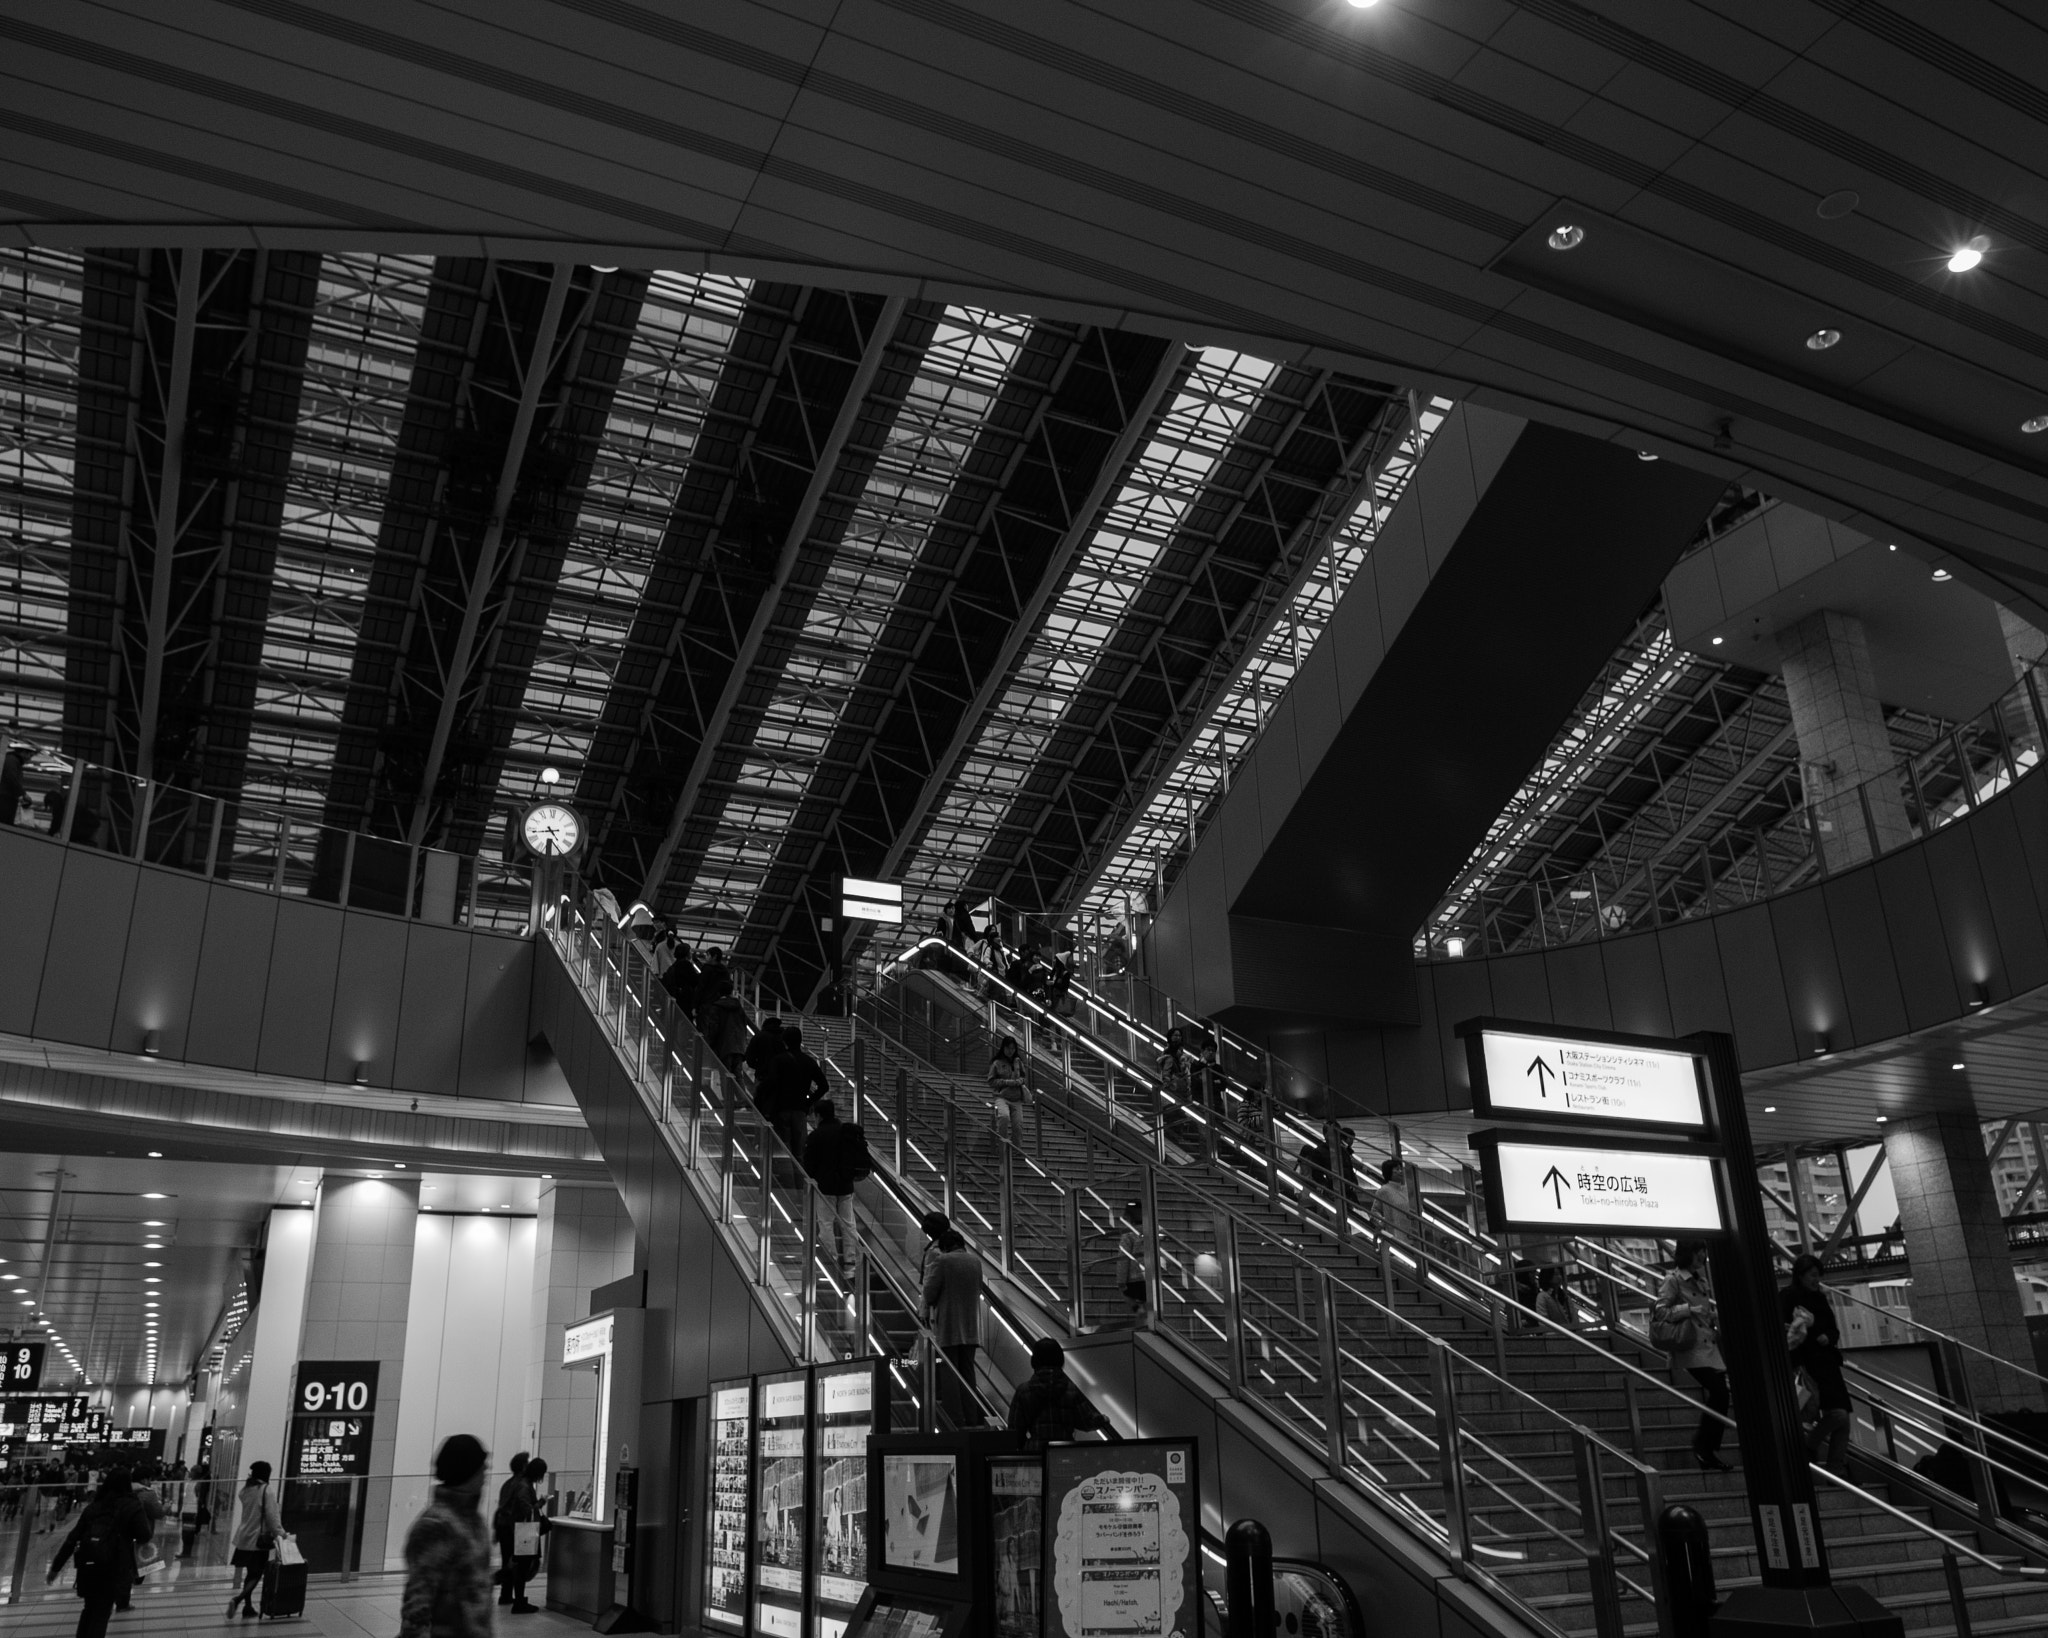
{"points": [[551, 830]]}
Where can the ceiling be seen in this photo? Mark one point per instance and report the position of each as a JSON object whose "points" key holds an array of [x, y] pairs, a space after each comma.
{"points": [[1366, 187]]}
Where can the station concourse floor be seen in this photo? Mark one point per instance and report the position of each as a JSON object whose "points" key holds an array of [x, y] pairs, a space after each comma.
{"points": [[364, 1608]]}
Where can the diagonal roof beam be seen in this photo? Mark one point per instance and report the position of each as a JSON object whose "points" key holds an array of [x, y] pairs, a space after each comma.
{"points": [[822, 474], [1172, 369], [168, 491], [1349, 487], [539, 365]]}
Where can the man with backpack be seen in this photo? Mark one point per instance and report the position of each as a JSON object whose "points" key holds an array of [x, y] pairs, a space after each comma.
{"points": [[103, 1543], [793, 1084], [836, 1155], [1048, 1407]]}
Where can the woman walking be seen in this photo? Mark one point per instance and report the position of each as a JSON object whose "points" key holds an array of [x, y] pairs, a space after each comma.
{"points": [[1006, 1083], [1685, 1317], [1815, 1342], [258, 1524]]}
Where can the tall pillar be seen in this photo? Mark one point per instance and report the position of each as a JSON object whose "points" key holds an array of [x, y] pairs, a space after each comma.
{"points": [[1962, 1267], [357, 1295], [259, 1420], [583, 1239], [1843, 745]]}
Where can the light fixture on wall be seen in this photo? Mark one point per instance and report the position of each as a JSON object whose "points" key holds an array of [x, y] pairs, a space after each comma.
{"points": [[1980, 996], [362, 1072], [149, 1043], [1820, 1043]]}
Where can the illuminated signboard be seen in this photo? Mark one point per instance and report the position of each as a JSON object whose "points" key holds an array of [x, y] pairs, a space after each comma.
{"points": [[329, 1447], [1536, 1182], [725, 1550], [1579, 1078], [589, 1340], [24, 1367], [337, 1385], [870, 901]]}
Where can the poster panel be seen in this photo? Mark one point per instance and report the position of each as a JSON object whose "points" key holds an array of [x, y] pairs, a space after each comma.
{"points": [[1017, 1514], [729, 1490], [845, 1413], [781, 1502], [1120, 1528]]}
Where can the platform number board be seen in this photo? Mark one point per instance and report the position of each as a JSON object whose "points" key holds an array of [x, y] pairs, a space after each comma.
{"points": [[24, 1367], [337, 1387]]}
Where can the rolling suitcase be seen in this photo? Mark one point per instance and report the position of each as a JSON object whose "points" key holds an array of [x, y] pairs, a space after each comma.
{"points": [[284, 1591]]}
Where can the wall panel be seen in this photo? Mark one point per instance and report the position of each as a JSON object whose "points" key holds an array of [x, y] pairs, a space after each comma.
{"points": [[298, 1006], [494, 1031], [31, 868], [1914, 937], [82, 960], [164, 936], [436, 977], [369, 981], [2015, 914], [1862, 950], [234, 972]]}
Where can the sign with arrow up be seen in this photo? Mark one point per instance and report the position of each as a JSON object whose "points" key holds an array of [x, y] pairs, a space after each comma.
{"points": [[1651, 1189], [1578, 1078]]}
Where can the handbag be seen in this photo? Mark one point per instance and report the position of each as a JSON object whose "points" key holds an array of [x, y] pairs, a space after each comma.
{"points": [[287, 1550], [526, 1539], [1673, 1336]]}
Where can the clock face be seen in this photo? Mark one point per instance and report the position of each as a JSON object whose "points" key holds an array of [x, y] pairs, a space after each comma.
{"points": [[551, 830]]}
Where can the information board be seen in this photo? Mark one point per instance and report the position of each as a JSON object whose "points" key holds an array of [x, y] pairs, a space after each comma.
{"points": [[328, 1447], [54, 1419], [337, 1387], [781, 1502], [1537, 1183], [729, 1490], [844, 1415], [1016, 1517], [1120, 1529], [24, 1367], [1578, 1079]]}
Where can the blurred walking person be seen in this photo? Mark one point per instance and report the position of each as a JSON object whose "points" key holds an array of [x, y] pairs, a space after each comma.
{"points": [[448, 1551], [103, 1542]]}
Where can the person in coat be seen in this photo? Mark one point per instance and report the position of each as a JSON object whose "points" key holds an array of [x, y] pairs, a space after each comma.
{"points": [[1047, 1407], [109, 1529], [1007, 1086], [258, 1524], [1815, 1341], [794, 1082], [448, 1551], [952, 1303], [836, 1156], [1687, 1295], [13, 783], [501, 1521]]}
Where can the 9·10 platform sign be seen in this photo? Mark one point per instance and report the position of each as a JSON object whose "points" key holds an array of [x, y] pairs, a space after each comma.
{"points": [[331, 1427]]}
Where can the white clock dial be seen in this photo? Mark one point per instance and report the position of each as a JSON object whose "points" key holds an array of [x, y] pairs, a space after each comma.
{"points": [[552, 830]]}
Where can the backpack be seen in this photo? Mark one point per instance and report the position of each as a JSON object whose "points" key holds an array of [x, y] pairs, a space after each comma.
{"points": [[859, 1163], [99, 1544]]}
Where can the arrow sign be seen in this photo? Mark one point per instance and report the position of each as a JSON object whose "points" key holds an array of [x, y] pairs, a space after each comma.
{"points": [[1541, 1071], [1556, 1182]]}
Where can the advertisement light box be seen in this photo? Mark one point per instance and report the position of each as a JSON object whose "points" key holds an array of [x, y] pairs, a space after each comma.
{"points": [[1583, 1080], [1535, 1183]]}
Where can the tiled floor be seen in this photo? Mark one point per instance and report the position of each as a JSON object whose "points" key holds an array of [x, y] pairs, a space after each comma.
{"points": [[366, 1608]]}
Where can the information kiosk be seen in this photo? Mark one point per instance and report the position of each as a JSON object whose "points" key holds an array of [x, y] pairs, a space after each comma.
{"points": [[848, 1403], [930, 1523], [781, 1502]]}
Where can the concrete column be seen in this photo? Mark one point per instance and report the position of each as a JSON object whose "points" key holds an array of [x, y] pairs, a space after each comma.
{"points": [[274, 1349], [357, 1295], [1843, 745], [582, 1240], [1962, 1267]]}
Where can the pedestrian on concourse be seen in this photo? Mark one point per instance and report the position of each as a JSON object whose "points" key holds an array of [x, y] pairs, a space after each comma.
{"points": [[13, 782], [836, 1156], [501, 1520], [952, 1302], [1006, 1083], [1687, 1296], [1048, 1407], [794, 1081], [448, 1551], [109, 1529], [258, 1524], [1815, 1342]]}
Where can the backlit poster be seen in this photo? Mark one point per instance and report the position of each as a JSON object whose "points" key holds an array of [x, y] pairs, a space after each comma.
{"points": [[732, 1466], [1120, 1525], [781, 1503], [921, 1511], [844, 1417], [1016, 1513]]}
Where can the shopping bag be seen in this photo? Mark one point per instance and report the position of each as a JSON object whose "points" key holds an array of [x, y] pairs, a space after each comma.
{"points": [[526, 1539], [287, 1550]]}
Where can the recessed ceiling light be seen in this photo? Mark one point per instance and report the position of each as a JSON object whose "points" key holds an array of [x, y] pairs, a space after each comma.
{"points": [[1881, 1119], [1943, 574], [156, 1154], [1718, 641], [1644, 455], [151, 1279], [547, 1177], [1821, 340], [1567, 236], [1959, 1066], [305, 1202], [2035, 423], [153, 1222], [152, 1265], [156, 1197], [1965, 257], [1837, 205], [1770, 1108]]}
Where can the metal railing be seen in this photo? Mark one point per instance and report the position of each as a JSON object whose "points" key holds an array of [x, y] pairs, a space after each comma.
{"points": [[275, 847]]}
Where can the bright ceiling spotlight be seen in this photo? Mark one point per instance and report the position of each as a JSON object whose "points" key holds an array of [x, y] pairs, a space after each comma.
{"points": [[550, 776], [156, 1154], [1965, 257], [1942, 574], [1644, 455], [1718, 641], [156, 1197], [1881, 1119], [1821, 340], [1959, 1066], [1770, 1108], [2035, 423], [1566, 236]]}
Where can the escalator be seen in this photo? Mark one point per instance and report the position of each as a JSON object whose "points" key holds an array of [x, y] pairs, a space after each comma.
{"points": [[1423, 1434], [1451, 1281]]}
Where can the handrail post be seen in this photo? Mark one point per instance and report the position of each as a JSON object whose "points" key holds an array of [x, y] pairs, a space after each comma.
{"points": [[928, 1385], [1006, 1202], [808, 1285], [765, 1228], [902, 1118], [952, 1156], [1450, 1459], [1330, 1358], [1149, 1193], [1233, 1302], [1076, 1273], [1958, 1600], [1599, 1546], [1983, 1482], [863, 1296], [860, 1076]]}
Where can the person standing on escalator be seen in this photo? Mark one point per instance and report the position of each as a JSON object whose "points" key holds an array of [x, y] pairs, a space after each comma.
{"points": [[795, 1081], [1008, 1087]]}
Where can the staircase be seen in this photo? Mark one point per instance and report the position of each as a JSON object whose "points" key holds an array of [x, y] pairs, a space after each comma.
{"points": [[1567, 1446]]}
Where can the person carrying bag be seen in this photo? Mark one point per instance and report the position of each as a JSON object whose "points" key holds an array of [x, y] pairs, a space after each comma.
{"points": [[258, 1524], [1686, 1325]]}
